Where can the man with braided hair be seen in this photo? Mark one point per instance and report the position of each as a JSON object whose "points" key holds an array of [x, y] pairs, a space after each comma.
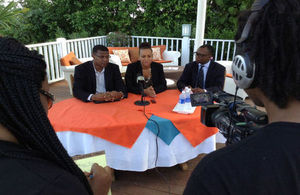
{"points": [[32, 160], [267, 162]]}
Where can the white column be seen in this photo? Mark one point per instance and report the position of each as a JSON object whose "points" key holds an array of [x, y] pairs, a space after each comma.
{"points": [[185, 51], [200, 26]]}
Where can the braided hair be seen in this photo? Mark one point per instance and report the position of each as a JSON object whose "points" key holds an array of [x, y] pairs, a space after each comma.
{"points": [[274, 44], [21, 75]]}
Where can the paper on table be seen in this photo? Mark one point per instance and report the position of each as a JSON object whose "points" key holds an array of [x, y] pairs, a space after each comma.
{"points": [[184, 108], [85, 164]]}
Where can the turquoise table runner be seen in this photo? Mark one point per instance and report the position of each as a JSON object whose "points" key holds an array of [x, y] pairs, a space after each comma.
{"points": [[167, 130]]}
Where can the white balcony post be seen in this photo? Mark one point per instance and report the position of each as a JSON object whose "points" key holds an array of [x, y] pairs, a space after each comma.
{"points": [[200, 26], [185, 50], [185, 56], [63, 47]]}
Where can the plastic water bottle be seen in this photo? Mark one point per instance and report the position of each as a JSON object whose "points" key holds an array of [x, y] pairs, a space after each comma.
{"points": [[182, 98], [188, 105], [181, 103], [184, 105], [187, 95]]}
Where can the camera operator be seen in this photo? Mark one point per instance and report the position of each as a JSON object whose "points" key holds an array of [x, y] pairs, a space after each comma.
{"points": [[267, 162]]}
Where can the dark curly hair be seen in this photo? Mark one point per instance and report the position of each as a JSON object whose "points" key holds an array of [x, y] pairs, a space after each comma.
{"points": [[274, 44], [21, 75], [210, 49], [99, 48], [145, 45]]}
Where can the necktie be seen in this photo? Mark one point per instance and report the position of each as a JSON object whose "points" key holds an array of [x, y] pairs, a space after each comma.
{"points": [[200, 77]]}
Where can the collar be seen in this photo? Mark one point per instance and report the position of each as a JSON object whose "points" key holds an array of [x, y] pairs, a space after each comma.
{"points": [[205, 65], [98, 71]]}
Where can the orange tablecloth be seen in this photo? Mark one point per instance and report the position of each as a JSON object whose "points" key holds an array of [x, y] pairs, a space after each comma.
{"points": [[122, 122], [229, 75]]}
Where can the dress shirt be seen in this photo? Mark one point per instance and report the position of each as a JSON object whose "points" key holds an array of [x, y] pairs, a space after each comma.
{"points": [[100, 82], [205, 69]]}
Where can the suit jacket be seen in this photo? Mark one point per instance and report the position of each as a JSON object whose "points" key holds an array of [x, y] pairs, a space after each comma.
{"points": [[215, 76], [85, 80], [157, 72]]}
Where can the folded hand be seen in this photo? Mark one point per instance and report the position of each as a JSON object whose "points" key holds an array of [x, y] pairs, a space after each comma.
{"points": [[197, 90], [150, 91]]}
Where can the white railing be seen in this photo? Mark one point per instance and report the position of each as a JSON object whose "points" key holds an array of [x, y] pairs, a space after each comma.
{"points": [[53, 51], [83, 47], [172, 44], [50, 51], [224, 49]]}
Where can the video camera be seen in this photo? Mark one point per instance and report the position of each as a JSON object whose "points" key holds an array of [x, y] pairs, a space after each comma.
{"points": [[234, 118]]}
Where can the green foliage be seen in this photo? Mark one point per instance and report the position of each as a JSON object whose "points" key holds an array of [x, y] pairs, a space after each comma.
{"points": [[44, 20], [164, 18], [76, 35], [221, 21], [117, 39], [9, 15]]}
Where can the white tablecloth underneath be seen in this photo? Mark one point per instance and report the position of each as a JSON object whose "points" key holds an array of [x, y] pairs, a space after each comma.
{"points": [[142, 155]]}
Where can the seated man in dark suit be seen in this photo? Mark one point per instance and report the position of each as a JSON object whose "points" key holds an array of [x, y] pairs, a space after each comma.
{"points": [[98, 80], [203, 74]]}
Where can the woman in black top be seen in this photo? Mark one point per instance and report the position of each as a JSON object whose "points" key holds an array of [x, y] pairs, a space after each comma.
{"points": [[32, 159], [153, 73]]}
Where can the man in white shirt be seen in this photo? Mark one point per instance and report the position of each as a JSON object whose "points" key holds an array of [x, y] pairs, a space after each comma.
{"points": [[98, 80]]}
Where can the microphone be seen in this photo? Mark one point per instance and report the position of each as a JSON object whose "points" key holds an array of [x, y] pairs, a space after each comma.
{"points": [[140, 78], [141, 83]]}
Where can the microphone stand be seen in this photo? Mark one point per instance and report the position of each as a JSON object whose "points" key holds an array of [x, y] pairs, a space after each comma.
{"points": [[142, 102]]}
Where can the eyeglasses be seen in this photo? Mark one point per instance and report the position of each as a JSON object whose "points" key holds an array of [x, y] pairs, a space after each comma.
{"points": [[103, 57], [49, 96], [200, 54]]}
